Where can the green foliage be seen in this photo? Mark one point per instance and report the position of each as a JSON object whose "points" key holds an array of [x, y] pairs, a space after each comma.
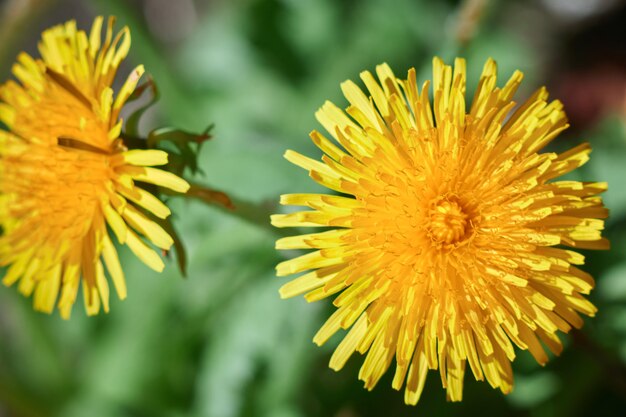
{"points": [[221, 343]]}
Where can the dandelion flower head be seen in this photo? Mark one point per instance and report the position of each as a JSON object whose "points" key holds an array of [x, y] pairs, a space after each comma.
{"points": [[67, 177], [449, 233]]}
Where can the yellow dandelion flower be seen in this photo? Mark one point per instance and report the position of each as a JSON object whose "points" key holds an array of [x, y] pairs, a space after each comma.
{"points": [[447, 238], [65, 173]]}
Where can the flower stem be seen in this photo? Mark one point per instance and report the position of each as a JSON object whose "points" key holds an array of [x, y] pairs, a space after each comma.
{"points": [[257, 214]]}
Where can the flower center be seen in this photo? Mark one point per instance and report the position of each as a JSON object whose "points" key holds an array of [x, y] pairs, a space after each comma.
{"points": [[448, 222]]}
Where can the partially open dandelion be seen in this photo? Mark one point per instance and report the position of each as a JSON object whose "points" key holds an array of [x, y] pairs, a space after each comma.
{"points": [[65, 173], [447, 240]]}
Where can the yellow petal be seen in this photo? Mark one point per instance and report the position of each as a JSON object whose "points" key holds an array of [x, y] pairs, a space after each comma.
{"points": [[148, 228], [162, 178], [144, 253], [112, 262]]}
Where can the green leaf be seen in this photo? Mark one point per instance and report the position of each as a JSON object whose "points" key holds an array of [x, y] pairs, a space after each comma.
{"points": [[183, 147]]}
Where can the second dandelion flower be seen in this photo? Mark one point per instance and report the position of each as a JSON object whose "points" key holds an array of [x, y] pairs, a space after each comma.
{"points": [[71, 174]]}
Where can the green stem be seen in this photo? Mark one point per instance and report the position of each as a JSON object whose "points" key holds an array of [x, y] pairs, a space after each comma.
{"points": [[470, 15], [259, 215], [252, 213]]}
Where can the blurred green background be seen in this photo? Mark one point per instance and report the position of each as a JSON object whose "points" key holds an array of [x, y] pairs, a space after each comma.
{"points": [[221, 343]]}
